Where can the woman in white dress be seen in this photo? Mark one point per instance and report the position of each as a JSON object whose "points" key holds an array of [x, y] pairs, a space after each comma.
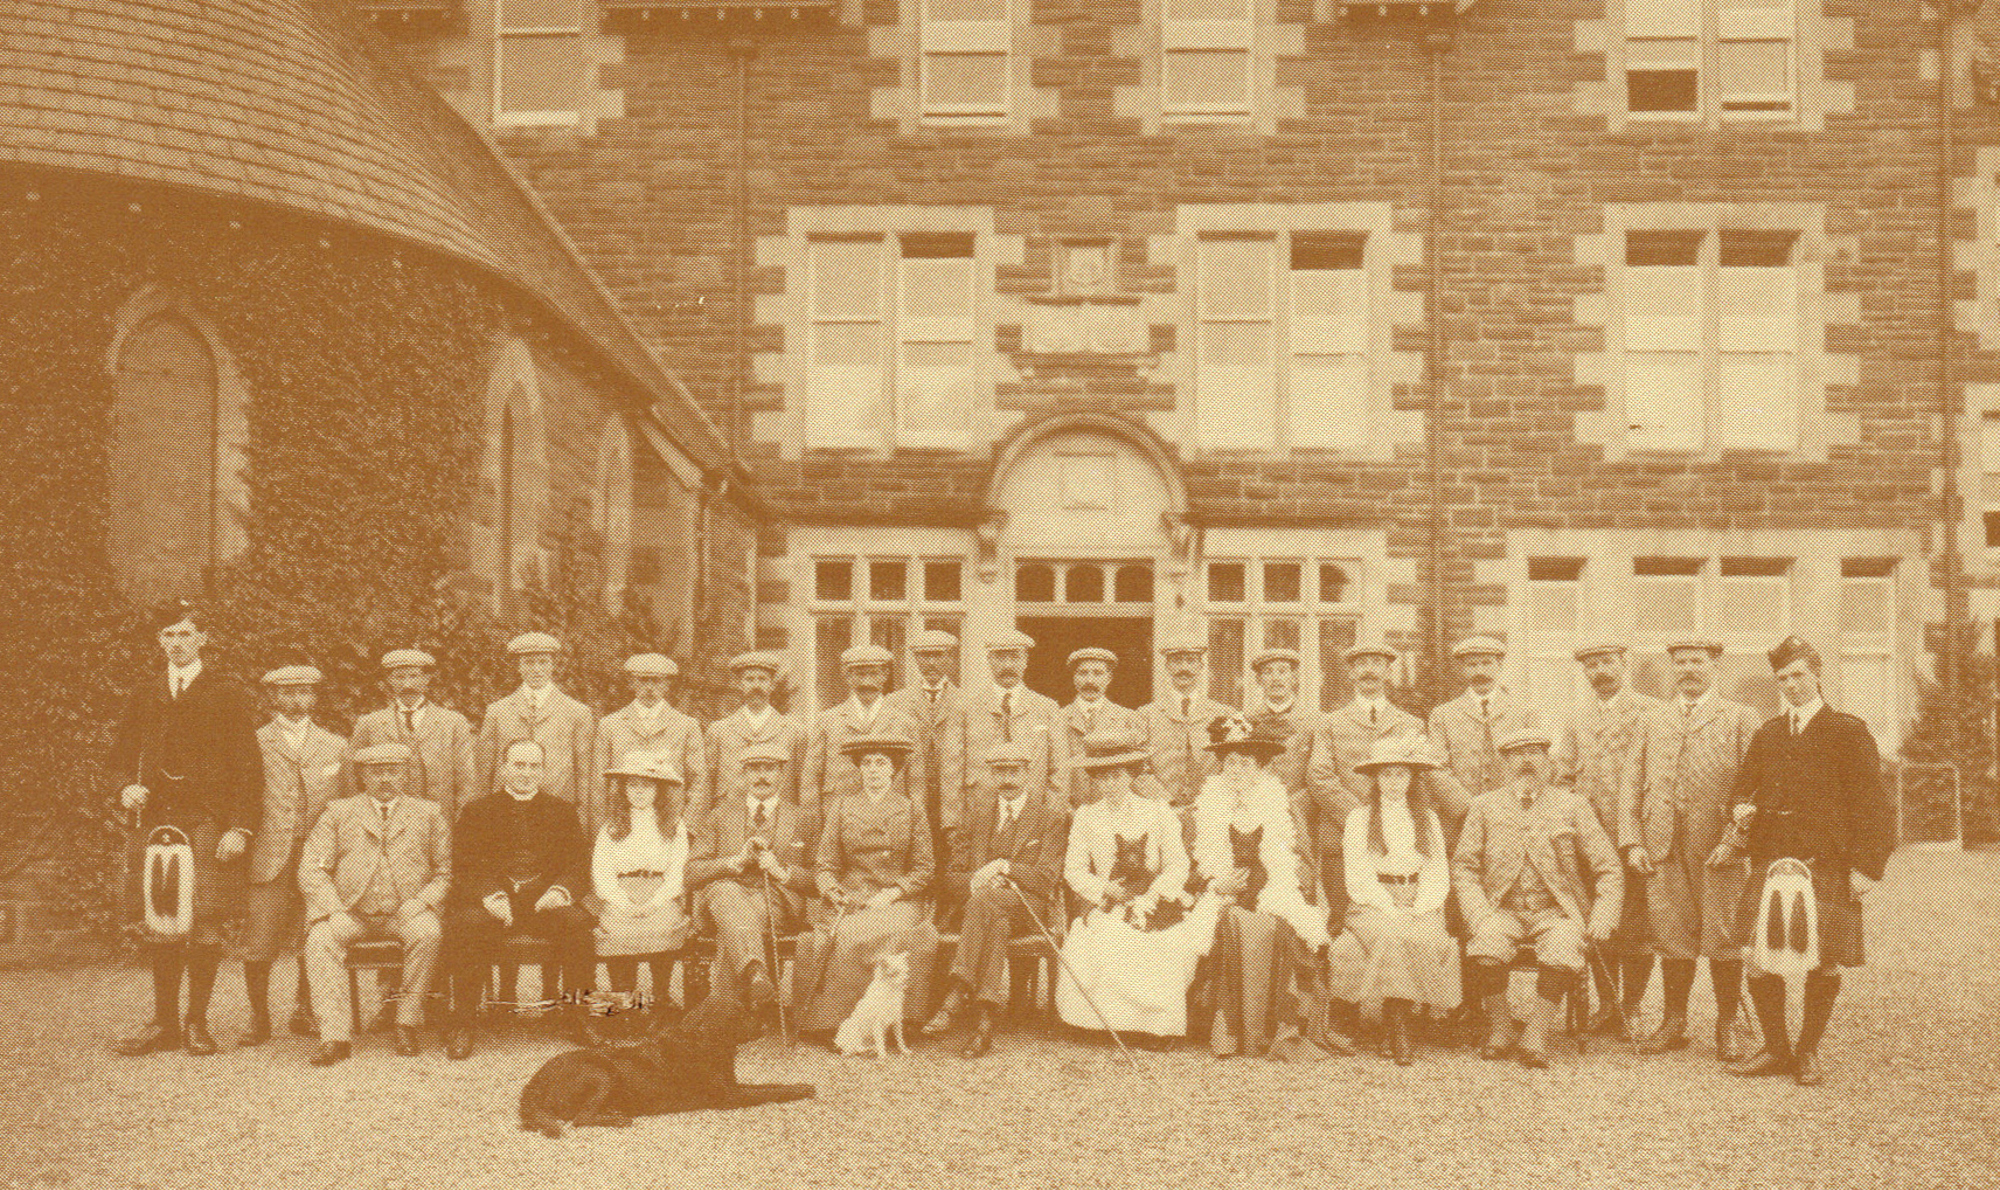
{"points": [[636, 870], [1396, 951], [1135, 947]]}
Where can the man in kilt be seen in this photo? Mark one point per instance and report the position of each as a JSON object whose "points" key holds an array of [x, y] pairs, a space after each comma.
{"points": [[1809, 789], [187, 750]]}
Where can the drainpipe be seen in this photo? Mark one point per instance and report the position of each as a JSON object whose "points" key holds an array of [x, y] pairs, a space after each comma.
{"points": [[742, 49], [1435, 44], [1946, 318]]}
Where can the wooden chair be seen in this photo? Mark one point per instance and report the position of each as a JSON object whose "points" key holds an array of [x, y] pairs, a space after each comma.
{"points": [[378, 955]]}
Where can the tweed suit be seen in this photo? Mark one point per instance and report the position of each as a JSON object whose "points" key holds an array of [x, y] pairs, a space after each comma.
{"points": [[1596, 744]]}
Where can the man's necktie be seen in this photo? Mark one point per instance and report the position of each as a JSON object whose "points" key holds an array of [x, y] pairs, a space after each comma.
{"points": [[763, 817], [1371, 714], [410, 720], [384, 808], [931, 693], [176, 686], [1007, 716], [1006, 818], [1187, 705]]}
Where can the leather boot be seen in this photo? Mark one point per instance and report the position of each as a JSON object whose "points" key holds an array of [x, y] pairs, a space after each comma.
{"points": [[259, 1031], [1671, 1035], [1818, 1010], [947, 1013], [1535, 1041], [302, 1022], [1499, 1028], [151, 1038], [982, 1034], [1767, 998]]}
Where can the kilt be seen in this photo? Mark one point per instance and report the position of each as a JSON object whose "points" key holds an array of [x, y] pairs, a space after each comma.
{"points": [[1838, 908], [218, 887]]}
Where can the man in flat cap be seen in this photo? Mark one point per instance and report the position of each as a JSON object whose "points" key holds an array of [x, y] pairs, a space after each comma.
{"points": [[1809, 791], [649, 724], [829, 772], [1597, 745], [538, 711], [302, 774], [750, 870], [1090, 671], [1346, 738], [754, 723], [377, 865], [937, 757], [1463, 731], [1275, 712], [1004, 709], [1008, 861], [1177, 721], [440, 739], [1533, 866], [187, 749], [1671, 814]]}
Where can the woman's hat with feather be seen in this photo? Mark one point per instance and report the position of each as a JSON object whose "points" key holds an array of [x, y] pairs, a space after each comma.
{"points": [[1233, 733]]}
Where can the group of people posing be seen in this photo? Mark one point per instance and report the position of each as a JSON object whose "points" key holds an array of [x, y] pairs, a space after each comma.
{"points": [[1277, 878]]}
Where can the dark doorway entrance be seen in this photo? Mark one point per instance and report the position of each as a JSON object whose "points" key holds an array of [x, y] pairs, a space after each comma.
{"points": [[1131, 637]]}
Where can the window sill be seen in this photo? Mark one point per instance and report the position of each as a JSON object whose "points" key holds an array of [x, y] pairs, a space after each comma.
{"points": [[537, 120]]}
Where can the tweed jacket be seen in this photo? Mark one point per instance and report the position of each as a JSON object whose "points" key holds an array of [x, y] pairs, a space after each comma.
{"points": [[351, 864], [1343, 739], [1178, 743], [728, 736], [1035, 723], [1032, 845], [719, 834], [1559, 837], [1679, 787], [298, 784], [865, 847], [672, 734], [828, 774], [196, 754], [564, 728], [1595, 746], [1079, 721], [1819, 796], [441, 764], [1465, 740], [937, 763]]}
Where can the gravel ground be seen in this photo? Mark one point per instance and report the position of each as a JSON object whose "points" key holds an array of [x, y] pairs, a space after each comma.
{"points": [[1910, 1101]]}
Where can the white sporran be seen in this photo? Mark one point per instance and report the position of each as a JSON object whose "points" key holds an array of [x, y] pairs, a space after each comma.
{"points": [[169, 883], [1786, 941]]}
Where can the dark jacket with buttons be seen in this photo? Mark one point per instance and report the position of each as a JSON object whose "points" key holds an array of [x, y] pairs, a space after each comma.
{"points": [[1819, 795]]}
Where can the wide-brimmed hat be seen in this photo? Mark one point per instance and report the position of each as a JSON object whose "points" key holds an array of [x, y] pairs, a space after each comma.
{"points": [[1109, 749], [650, 765], [1410, 750], [896, 747], [1233, 733]]}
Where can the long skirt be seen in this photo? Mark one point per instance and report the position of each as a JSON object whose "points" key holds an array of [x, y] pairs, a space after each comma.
{"points": [[849, 957], [1270, 991], [1838, 908], [1391, 956], [218, 887], [621, 933], [1138, 978]]}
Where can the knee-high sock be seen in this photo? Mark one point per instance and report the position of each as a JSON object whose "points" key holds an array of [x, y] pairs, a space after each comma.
{"points": [[1767, 996], [1677, 979], [1820, 992], [168, 962], [201, 964], [1727, 976], [301, 991], [257, 989], [1635, 973]]}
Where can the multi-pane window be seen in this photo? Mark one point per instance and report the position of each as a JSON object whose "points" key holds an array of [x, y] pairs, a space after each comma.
{"points": [[1207, 61], [1554, 626], [1307, 604], [892, 342], [1690, 58], [1867, 645], [881, 601], [963, 60], [1711, 336], [1281, 340], [538, 61], [1744, 603]]}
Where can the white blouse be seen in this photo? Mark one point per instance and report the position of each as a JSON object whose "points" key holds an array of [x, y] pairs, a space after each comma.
{"points": [[1364, 868], [642, 850], [1093, 846]]}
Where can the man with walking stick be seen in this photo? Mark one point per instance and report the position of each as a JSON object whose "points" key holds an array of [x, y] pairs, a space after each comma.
{"points": [[751, 872]]}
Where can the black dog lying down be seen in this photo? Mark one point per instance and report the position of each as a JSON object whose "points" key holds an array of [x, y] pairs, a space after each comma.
{"points": [[681, 1067]]}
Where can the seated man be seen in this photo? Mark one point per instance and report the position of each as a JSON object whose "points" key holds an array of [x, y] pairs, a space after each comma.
{"points": [[1532, 866], [375, 866], [523, 865], [740, 856], [1009, 863]]}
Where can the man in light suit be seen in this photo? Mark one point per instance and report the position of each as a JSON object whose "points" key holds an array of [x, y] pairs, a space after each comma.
{"points": [[1672, 810], [377, 865], [439, 738], [1177, 722], [649, 724], [538, 711], [1090, 671], [1343, 739], [1598, 743], [1463, 731], [1004, 709], [302, 767], [1532, 867], [754, 723], [829, 772], [750, 869], [937, 760]]}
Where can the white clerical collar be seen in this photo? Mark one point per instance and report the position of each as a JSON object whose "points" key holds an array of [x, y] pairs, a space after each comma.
{"points": [[1804, 715]]}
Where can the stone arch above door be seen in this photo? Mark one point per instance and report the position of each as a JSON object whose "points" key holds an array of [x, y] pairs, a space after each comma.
{"points": [[1086, 483]]}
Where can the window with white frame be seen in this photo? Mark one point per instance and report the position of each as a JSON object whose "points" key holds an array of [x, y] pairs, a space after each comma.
{"points": [[1867, 646], [1311, 605], [1732, 59], [892, 350], [1711, 338], [1207, 58], [881, 601], [1281, 354], [963, 66], [538, 61], [1554, 622], [1744, 603]]}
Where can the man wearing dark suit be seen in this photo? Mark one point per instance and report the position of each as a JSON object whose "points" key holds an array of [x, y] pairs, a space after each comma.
{"points": [[439, 739], [376, 866], [937, 761], [1008, 862], [1810, 788], [187, 744], [522, 860], [750, 868]]}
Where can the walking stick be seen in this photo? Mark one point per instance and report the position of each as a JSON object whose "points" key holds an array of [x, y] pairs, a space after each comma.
{"points": [[825, 959], [771, 921], [1600, 968], [1064, 961]]}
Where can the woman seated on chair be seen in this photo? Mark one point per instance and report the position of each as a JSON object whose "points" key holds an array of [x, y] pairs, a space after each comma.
{"points": [[1396, 953], [636, 874], [1270, 994], [874, 869], [1128, 961]]}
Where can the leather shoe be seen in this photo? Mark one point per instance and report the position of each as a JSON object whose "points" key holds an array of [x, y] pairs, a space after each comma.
{"points": [[1808, 1073], [981, 1040], [763, 992], [1763, 1063], [1727, 1051], [258, 1033], [458, 1044], [1602, 1022], [153, 1038], [199, 1043], [302, 1023], [407, 1044], [1534, 1059], [947, 1014], [329, 1052], [1671, 1035]]}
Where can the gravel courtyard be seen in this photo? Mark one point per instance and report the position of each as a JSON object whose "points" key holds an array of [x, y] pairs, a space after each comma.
{"points": [[1910, 1102]]}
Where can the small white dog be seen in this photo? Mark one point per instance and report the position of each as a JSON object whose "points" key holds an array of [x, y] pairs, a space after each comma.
{"points": [[879, 1015]]}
